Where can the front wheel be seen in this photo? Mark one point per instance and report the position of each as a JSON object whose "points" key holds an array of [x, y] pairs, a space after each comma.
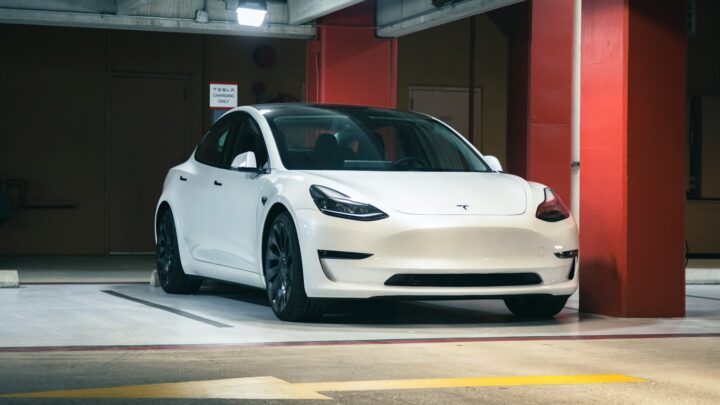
{"points": [[284, 273], [536, 306], [171, 276]]}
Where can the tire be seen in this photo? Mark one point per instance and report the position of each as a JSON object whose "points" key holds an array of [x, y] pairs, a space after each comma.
{"points": [[282, 264], [171, 276], [536, 306]]}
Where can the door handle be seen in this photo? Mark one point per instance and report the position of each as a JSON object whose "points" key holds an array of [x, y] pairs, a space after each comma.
{"points": [[217, 183], [183, 178]]}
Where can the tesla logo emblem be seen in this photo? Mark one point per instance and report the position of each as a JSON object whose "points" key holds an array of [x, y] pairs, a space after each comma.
{"points": [[463, 206]]}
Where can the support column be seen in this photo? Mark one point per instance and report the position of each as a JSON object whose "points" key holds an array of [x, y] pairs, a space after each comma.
{"points": [[632, 154], [348, 64], [550, 94], [540, 89]]}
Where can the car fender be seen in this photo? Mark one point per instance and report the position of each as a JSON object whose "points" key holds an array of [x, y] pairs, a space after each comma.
{"points": [[168, 196]]}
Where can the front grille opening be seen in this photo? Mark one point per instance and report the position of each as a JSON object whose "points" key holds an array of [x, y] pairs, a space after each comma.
{"points": [[464, 280], [336, 254]]}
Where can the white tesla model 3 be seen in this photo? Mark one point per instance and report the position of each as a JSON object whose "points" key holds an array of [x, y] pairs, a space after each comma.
{"points": [[317, 202]]}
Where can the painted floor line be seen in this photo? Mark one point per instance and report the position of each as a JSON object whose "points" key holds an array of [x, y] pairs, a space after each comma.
{"points": [[703, 298], [466, 382], [169, 309], [274, 388], [230, 346], [99, 282]]}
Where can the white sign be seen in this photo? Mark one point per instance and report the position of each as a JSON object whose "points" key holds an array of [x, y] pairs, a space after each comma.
{"points": [[223, 95]]}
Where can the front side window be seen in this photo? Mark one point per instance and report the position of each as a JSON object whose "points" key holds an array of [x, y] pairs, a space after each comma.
{"points": [[249, 139], [212, 149], [369, 139]]}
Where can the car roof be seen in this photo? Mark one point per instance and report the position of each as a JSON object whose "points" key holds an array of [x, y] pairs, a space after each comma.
{"points": [[278, 109]]}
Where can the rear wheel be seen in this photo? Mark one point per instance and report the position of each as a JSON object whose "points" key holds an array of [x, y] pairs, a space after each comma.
{"points": [[171, 275], [536, 306], [284, 273]]}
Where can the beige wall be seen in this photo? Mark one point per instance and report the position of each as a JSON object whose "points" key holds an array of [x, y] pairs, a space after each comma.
{"points": [[53, 106], [440, 57], [703, 70], [703, 81], [702, 221]]}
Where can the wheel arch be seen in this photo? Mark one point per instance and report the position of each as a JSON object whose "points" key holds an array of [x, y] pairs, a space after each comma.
{"points": [[161, 208], [276, 209]]}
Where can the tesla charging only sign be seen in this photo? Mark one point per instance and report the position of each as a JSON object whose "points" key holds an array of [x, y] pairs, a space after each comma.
{"points": [[223, 95]]}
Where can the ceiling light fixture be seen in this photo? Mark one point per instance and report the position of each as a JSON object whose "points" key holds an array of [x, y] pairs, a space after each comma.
{"points": [[251, 13]]}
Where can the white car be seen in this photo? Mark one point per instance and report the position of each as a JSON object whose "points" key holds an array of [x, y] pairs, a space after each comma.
{"points": [[318, 202]]}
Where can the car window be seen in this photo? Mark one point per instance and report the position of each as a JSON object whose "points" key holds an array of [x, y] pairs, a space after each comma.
{"points": [[213, 147], [368, 140], [249, 139]]}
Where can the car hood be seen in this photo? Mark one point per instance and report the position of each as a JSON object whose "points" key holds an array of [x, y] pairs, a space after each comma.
{"points": [[433, 193]]}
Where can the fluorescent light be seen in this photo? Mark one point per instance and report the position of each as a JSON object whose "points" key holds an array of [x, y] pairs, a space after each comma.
{"points": [[251, 13]]}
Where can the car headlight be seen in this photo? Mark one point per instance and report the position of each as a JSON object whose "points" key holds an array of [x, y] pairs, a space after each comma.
{"points": [[337, 204]]}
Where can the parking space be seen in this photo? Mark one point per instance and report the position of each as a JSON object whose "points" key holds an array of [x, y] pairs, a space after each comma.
{"points": [[140, 315], [128, 342]]}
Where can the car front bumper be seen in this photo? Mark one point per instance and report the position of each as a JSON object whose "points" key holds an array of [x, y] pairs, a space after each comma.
{"points": [[441, 245]]}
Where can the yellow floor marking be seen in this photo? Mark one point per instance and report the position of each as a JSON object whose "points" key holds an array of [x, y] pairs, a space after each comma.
{"points": [[466, 382], [232, 388], [273, 388]]}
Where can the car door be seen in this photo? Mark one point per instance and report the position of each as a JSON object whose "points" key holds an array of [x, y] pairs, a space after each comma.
{"points": [[235, 199], [209, 157]]}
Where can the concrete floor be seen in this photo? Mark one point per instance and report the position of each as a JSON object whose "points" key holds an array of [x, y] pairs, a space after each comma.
{"points": [[80, 269], [672, 370], [225, 344], [107, 315], [137, 269]]}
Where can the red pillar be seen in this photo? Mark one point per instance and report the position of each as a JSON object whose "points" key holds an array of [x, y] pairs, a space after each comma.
{"points": [[632, 154], [348, 64], [518, 33], [549, 89], [540, 92], [632, 140]]}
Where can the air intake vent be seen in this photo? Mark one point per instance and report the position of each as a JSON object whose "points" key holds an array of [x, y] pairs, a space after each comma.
{"points": [[464, 280]]}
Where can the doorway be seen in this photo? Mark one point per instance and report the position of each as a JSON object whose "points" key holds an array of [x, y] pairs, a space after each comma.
{"points": [[147, 124]]}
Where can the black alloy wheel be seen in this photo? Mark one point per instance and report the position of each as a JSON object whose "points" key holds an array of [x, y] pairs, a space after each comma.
{"points": [[536, 306], [284, 273], [171, 275]]}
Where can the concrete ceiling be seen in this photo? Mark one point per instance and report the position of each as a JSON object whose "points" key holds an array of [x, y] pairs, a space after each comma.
{"points": [[285, 18], [153, 15], [396, 18]]}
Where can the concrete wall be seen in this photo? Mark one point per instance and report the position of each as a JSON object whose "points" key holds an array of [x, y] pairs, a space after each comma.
{"points": [[61, 75], [440, 57], [53, 106]]}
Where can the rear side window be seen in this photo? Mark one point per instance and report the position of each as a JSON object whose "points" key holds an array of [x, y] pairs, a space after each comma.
{"points": [[214, 145]]}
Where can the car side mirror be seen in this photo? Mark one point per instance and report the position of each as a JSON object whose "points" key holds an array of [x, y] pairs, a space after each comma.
{"points": [[245, 162], [493, 162]]}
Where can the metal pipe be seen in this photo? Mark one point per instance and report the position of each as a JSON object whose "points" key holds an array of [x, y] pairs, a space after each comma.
{"points": [[471, 85], [575, 113]]}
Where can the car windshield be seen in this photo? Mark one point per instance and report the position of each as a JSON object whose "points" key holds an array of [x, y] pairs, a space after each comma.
{"points": [[351, 138]]}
